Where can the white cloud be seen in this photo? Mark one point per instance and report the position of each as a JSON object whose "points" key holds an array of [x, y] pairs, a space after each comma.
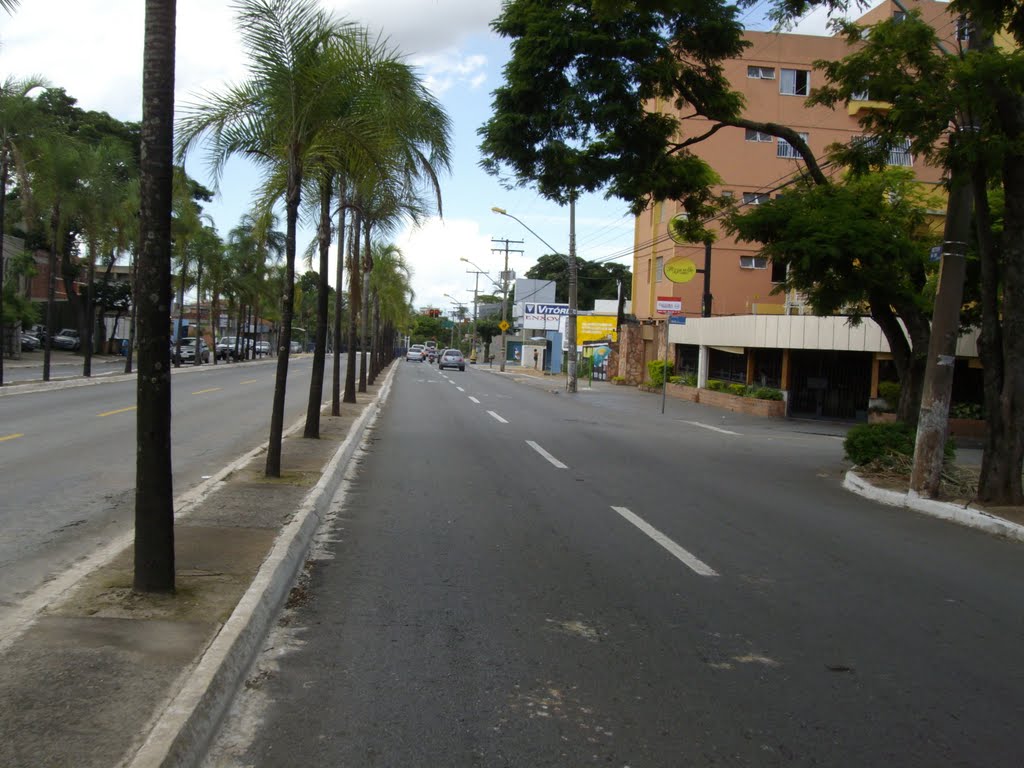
{"points": [[433, 251]]}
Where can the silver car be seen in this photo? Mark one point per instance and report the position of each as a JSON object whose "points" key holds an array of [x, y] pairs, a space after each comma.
{"points": [[451, 358]]}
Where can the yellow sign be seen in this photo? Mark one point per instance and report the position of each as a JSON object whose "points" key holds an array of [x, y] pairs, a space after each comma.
{"points": [[503, 325], [680, 270], [595, 328]]}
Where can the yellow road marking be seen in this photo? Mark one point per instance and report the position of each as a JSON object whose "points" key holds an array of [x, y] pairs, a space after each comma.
{"points": [[119, 410], [11, 437], [204, 391], [250, 381]]}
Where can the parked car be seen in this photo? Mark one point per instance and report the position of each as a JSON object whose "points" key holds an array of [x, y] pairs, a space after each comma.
{"points": [[188, 352], [294, 347], [262, 348], [451, 358], [66, 339], [415, 354], [29, 343], [227, 345]]}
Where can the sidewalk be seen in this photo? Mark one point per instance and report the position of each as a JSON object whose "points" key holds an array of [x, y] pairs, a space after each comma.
{"points": [[96, 675]]}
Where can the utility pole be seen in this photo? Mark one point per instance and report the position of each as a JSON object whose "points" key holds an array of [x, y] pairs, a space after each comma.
{"points": [[570, 331], [504, 290], [933, 417], [476, 290]]}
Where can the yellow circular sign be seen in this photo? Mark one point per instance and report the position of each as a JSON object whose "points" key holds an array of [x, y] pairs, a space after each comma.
{"points": [[680, 270], [503, 325]]}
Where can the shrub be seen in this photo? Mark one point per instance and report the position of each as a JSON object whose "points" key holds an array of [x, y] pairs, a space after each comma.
{"points": [[716, 386], [764, 393], [675, 379], [689, 379], [657, 370], [866, 443], [649, 383], [966, 411], [618, 379], [737, 389], [890, 392]]}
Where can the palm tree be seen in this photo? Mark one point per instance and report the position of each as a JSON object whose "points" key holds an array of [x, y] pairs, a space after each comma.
{"points": [[104, 168], [154, 500], [275, 117], [15, 116], [56, 174], [391, 293]]}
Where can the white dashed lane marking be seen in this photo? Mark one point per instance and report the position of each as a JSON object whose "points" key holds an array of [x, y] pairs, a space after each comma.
{"points": [[690, 561], [496, 416], [546, 455]]}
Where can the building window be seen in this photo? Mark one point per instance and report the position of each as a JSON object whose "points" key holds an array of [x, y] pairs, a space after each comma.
{"points": [[861, 95], [727, 194], [795, 82], [778, 272], [761, 73], [754, 198], [963, 29], [785, 149], [753, 262], [753, 135], [899, 16], [659, 269], [900, 154]]}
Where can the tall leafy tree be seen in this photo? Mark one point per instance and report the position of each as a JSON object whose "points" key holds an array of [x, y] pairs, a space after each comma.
{"points": [[962, 107], [276, 117], [871, 260], [154, 500], [597, 280]]}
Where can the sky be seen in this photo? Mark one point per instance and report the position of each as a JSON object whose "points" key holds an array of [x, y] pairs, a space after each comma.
{"points": [[93, 49]]}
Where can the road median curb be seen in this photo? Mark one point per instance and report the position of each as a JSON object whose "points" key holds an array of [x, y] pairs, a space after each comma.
{"points": [[944, 510]]}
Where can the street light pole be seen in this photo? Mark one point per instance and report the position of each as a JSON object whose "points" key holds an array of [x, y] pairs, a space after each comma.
{"points": [[570, 331]]}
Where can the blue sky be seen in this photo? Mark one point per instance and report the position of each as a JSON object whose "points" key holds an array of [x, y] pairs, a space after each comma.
{"points": [[93, 49]]}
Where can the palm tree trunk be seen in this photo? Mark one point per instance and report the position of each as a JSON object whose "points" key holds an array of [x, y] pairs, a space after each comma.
{"points": [[316, 384], [353, 310], [154, 499], [90, 304], [198, 359], [130, 352], [51, 291], [367, 266], [375, 340], [273, 467], [338, 303], [3, 200]]}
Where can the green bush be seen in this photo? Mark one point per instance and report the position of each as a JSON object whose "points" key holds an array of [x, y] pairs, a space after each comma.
{"points": [[716, 386], [866, 443], [764, 393], [656, 370], [737, 389], [966, 411], [675, 379], [618, 378], [689, 379], [890, 392]]}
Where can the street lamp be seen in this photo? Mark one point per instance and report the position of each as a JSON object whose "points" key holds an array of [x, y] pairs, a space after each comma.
{"points": [[570, 330], [462, 311]]}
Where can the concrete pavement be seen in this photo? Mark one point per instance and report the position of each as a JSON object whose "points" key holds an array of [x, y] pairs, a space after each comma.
{"points": [[96, 675]]}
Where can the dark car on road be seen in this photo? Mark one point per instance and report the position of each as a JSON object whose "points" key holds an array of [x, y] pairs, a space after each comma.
{"points": [[451, 358]]}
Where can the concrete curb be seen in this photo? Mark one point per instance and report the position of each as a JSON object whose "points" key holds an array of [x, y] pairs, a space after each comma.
{"points": [[969, 516], [183, 730]]}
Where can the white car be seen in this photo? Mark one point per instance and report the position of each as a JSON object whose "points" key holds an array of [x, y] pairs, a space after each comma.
{"points": [[415, 354]]}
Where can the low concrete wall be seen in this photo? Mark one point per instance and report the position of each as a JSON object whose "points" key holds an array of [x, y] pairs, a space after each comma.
{"points": [[772, 409]]}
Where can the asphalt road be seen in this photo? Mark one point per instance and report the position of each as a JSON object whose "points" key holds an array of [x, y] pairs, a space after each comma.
{"points": [[517, 578], [67, 457]]}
